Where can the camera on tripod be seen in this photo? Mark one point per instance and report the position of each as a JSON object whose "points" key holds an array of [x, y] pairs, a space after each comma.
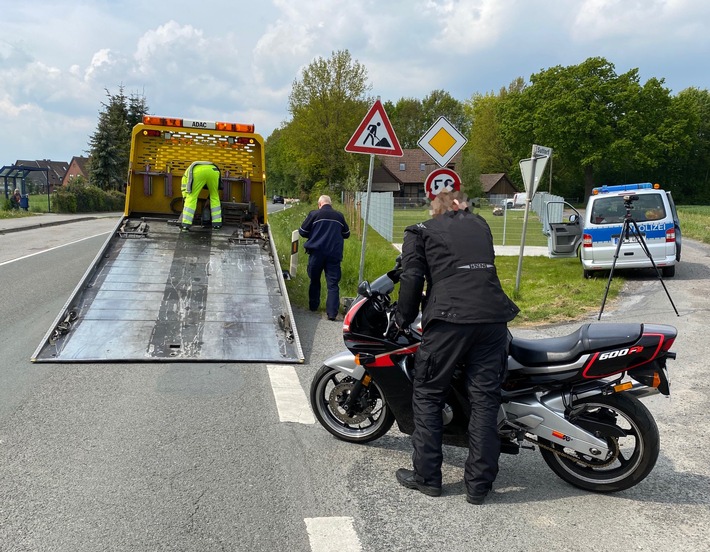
{"points": [[628, 199]]}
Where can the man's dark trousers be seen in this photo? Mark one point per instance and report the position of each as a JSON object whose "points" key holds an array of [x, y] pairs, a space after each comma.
{"points": [[481, 348], [317, 264]]}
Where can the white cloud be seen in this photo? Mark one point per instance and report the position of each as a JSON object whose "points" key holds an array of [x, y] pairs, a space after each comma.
{"points": [[237, 60]]}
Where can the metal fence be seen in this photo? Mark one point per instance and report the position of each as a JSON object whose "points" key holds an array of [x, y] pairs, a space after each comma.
{"points": [[390, 215]]}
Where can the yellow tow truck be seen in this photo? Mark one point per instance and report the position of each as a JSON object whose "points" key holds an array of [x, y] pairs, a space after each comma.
{"points": [[156, 294]]}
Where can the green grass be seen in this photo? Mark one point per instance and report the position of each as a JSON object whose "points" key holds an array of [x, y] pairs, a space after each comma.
{"points": [[695, 222], [551, 290], [511, 225], [38, 204]]}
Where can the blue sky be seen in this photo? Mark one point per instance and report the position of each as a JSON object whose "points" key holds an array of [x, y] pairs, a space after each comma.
{"points": [[233, 60]]}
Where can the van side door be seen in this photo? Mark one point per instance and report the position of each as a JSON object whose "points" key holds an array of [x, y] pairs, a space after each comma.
{"points": [[563, 237]]}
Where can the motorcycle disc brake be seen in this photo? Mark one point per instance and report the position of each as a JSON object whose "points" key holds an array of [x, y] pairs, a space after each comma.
{"points": [[336, 399]]}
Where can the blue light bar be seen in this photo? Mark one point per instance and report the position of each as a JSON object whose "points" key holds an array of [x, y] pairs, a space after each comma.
{"points": [[622, 188]]}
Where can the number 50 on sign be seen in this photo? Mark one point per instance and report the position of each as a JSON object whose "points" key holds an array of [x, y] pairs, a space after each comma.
{"points": [[439, 180]]}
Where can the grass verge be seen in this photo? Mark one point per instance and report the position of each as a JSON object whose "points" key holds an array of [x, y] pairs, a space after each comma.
{"points": [[551, 290]]}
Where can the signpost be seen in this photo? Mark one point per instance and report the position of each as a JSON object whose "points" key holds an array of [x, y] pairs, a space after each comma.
{"points": [[531, 170], [375, 136]]}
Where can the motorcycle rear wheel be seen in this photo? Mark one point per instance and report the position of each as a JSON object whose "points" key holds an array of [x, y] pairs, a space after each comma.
{"points": [[637, 451], [370, 420]]}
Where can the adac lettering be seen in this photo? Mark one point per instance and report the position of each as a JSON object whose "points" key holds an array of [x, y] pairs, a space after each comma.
{"points": [[620, 352], [199, 124]]}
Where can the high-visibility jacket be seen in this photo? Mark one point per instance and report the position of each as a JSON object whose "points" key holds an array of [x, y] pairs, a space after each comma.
{"points": [[197, 175]]}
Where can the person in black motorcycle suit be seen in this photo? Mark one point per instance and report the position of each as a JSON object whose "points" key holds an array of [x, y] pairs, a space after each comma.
{"points": [[464, 321]]}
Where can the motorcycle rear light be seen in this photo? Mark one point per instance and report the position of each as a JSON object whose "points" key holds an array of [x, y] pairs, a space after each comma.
{"points": [[670, 235], [587, 240]]}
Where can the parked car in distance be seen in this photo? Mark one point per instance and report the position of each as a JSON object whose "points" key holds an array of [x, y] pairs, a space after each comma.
{"points": [[278, 199]]}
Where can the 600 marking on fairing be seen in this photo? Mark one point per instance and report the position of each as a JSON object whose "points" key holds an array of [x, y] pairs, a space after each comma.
{"points": [[643, 350], [620, 352]]}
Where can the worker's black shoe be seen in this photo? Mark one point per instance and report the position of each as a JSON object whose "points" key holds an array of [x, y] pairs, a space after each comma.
{"points": [[184, 228], [407, 478], [476, 499], [216, 226]]}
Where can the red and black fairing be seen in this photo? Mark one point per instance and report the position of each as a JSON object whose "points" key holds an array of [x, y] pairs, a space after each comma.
{"points": [[388, 358], [650, 348]]}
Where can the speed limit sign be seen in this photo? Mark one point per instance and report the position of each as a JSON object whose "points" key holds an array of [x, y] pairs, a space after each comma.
{"points": [[439, 180]]}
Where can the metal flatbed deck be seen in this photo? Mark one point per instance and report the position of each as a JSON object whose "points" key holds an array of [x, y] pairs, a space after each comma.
{"points": [[155, 294]]}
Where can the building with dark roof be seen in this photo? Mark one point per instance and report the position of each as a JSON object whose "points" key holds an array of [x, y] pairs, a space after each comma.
{"points": [[78, 166], [405, 175], [37, 179]]}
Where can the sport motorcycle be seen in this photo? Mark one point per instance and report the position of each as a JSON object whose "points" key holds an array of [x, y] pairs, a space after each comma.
{"points": [[576, 398]]}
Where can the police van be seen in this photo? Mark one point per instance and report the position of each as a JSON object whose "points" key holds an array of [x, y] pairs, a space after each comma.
{"points": [[655, 216]]}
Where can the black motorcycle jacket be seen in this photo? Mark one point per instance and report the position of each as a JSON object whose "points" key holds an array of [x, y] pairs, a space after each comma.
{"points": [[453, 253]]}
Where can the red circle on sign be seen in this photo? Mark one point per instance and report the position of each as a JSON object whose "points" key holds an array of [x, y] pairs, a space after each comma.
{"points": [[440, 179]]}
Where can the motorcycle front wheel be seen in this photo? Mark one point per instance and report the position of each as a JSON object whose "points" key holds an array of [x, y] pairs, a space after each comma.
{"points": [[368, 419], [633, 455]]}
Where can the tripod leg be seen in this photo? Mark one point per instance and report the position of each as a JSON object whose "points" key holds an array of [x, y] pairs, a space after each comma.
{"points": [[624, 232], [647, 251]]}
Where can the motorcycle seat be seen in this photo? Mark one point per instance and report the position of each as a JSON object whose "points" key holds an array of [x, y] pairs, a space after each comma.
{"points": [[565, 349]]}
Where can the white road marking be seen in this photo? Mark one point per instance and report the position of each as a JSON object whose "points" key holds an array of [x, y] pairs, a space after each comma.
{"points": [[53, 248], [290, 399], [328, 534]]}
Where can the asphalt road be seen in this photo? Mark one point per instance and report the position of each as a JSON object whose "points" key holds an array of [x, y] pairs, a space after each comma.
{"points": [[149, 457]]}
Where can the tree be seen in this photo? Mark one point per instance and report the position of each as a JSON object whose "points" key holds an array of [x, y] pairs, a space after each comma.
{"points": [[485, 141], [326, 104], [407, 118], [598, 122], [111, 142], [440, 103]]}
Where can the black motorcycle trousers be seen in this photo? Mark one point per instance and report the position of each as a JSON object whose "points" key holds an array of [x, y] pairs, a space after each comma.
{"points": [[481, 350]]}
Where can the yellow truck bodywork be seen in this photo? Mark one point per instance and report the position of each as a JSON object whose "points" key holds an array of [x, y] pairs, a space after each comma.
{"points": [[156, 293]]}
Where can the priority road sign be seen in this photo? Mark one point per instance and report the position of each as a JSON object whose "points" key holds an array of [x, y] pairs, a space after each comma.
{"points": [[375, 134], [442, 141]]}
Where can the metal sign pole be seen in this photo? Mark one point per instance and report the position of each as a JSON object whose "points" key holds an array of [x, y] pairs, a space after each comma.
{"points": [[528, 201], [367, 216]]}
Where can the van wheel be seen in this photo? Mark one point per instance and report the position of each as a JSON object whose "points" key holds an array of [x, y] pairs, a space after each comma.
{"points": [[588, 274], [668, 271]]}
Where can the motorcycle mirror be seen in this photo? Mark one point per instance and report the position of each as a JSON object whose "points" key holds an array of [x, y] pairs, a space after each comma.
{"points": [[364, 289]]}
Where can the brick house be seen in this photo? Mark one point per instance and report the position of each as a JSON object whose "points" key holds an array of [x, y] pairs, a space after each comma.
{"points": [[78, 166], [405, 175], [37, 178]]}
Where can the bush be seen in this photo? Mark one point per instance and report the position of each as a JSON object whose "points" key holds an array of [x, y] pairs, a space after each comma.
{"points": [[82, 198]]}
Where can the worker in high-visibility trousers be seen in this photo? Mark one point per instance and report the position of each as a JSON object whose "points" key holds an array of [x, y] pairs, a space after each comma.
{"points": [[196, 176]]}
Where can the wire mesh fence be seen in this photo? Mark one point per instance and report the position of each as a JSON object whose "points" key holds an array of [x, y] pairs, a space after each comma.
{"points": [[389, 216]]}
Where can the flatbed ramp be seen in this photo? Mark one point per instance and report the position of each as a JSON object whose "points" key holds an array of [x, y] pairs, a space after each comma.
{"points": [[157, 294]]}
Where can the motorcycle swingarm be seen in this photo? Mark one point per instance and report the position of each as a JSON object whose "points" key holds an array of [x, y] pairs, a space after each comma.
{"points": [[538, 419]]}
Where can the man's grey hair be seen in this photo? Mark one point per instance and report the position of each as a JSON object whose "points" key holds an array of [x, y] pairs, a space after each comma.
{"points": [[324, 200]]}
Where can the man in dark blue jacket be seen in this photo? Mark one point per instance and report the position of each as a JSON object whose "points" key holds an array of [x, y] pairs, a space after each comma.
{"points": [[325, 229]]}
